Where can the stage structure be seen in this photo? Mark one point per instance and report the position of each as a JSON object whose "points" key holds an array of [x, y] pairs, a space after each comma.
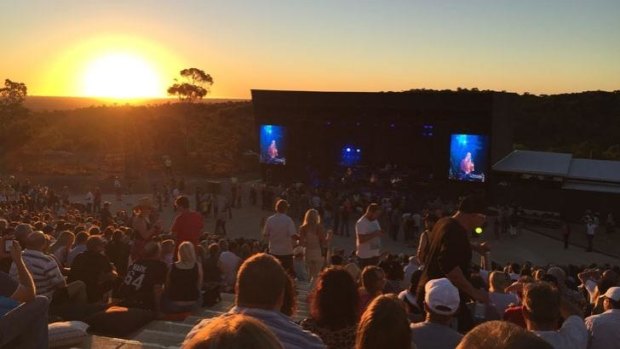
{"points": [[450, 136]]}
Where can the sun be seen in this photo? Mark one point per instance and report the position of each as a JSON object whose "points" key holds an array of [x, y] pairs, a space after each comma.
{"points": [[121, 75]]}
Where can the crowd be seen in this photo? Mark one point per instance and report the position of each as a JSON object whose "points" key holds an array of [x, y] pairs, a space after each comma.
{"points": [[62, 261]]}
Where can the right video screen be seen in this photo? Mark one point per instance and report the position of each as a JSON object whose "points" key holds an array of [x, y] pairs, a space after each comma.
{"points": [[468, 157]]}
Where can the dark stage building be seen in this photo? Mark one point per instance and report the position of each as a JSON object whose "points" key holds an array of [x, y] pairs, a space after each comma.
{"points": [[444, 135]]}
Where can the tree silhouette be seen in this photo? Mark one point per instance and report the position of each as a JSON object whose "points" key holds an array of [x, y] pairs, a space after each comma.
{"points": [[12, 96], [194, 87]]}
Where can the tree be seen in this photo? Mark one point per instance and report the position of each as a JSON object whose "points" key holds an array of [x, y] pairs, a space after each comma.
{"points": [[194, 87], [12, 96]]}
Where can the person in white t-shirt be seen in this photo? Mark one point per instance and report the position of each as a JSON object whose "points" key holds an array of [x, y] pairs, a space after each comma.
{"points": [[281, 232], [368, 233], [542, 306]]}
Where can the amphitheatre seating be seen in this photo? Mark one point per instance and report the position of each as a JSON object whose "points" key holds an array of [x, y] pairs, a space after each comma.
{"points": [[170, 334]]}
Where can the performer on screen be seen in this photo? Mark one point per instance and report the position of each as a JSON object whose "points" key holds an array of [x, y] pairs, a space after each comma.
{"points": [[272, 151], [467, 165]]}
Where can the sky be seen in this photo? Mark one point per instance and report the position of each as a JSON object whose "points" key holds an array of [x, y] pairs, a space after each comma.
{"points": [[85, 47]]}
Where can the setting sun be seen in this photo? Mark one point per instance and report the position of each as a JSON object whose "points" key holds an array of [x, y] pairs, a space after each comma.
{"points": [[121, 75]]}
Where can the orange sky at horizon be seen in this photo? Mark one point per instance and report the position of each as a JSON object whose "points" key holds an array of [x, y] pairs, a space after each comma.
{"points": [[136, 49]]}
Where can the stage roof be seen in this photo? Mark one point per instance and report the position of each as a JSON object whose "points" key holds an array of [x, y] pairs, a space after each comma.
{"points": [[578, 174], [535, 162]]}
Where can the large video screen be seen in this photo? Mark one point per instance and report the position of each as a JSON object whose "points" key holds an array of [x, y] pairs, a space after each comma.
{"points": [[273, 144], [468, 157]]}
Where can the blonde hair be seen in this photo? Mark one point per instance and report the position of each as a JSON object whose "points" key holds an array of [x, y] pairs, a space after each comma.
{"points": [[312, 218], [235, 331], [498, 281], [187, 253]]}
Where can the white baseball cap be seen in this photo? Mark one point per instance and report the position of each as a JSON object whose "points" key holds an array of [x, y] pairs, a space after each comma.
{"points": [[613, 293], [441, 296]]}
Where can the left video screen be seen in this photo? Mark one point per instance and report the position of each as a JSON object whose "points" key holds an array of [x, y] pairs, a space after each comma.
{"points": [[273, 144]]}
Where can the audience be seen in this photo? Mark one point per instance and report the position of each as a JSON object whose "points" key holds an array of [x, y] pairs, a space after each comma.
{"points": [[61, 248], [334, 309], [441, 302], [78, 247], [373, 282], [229, 264], [384, 325], [498, 298]]}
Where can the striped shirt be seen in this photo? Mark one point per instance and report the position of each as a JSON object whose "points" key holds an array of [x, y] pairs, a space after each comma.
{"points": [[45, 272], [290, 334]]}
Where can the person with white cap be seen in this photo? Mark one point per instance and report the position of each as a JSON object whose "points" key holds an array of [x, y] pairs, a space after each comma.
{"points": [[441, 302], [604, 328]]}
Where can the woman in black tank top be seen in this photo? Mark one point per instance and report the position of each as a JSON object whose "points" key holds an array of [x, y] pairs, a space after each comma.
{"points": [[184, 282]]}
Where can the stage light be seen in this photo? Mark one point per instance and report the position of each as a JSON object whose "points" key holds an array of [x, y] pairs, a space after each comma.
{"points": [[359, 150], [348, 150], [392, 125], [268, 129], [478, 230]]}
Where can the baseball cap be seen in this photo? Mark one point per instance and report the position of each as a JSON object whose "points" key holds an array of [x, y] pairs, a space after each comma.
{"points": [[474, 204], [441, 296], [613, 293]]}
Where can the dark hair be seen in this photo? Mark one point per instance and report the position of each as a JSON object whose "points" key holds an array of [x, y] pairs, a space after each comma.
{"points": [[501, 335], [261, 281], [282, 206], [335, 300], [542, 302], [182, 201], [384, 324]]}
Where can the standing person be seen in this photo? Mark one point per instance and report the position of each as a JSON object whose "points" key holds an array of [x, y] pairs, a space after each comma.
{"points": [[88, 201], [118, 189], [565, 233], [280, 232], [610, 223], [312, 237], [145, 230], [368, 233], [97, 201], [187, 225], [424, 243], [450, 252], [590, 232]]}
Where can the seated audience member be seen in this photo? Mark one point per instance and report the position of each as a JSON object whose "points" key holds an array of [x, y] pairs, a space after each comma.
{"points": [[542, 307], [94, 269], [333, 309], [229, 263], [168, 248], [182, 292], [384, 325], [60, 249], [212, 268], [604, 328], [261, 284], [117, 251], [144, 283], [441, 302], [234, 331], [501, 335], [354, 270], [498, 298], [23, 315], [408, 296], [566, 293], [373, 282], [49, 281], [22, 231], [79, 247], [409, 269]]}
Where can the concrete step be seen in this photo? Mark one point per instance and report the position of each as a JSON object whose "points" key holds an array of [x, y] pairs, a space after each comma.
{"points": [[168, 326], [101, 342], [160, 337]]}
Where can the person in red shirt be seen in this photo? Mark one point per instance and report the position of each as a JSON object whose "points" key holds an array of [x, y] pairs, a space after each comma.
{"points": [[187, 225]]}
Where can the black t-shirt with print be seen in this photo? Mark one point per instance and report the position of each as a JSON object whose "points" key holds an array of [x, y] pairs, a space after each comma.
{"points": [[137, 289]]}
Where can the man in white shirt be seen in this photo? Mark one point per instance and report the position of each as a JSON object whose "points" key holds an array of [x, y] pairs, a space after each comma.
{"points": [[591, 226], [605, 328], [542, 306], [280, 231], [368, 233]]}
